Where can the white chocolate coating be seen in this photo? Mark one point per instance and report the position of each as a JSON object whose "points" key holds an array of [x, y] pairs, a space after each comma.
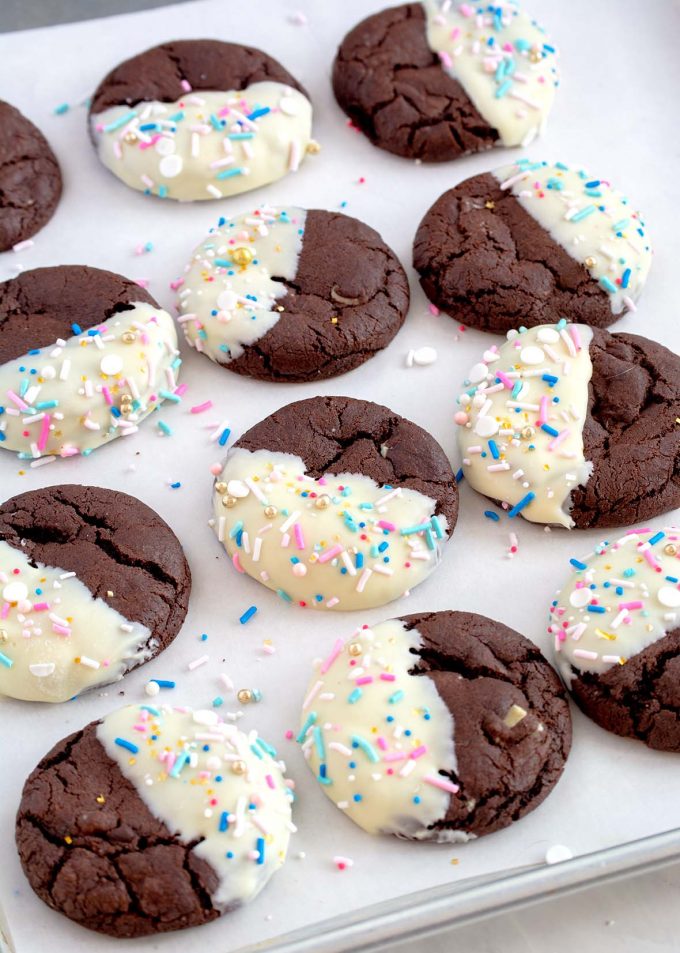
{"points": [[244, 819], [504, 62], [336, 557], [376, 737], [225, 306], [619, 599], [520, 436], [207, 144], [56, 639], [68, 397], [592, 221]]}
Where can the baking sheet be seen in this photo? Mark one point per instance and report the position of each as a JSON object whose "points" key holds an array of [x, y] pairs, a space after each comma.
{"points": [[615, 116]]}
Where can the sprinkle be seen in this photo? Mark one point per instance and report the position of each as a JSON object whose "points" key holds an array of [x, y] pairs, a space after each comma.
{"points": [[248, 614], [524, 502], [440, 782], [197, 662], [335, 651], [128, 745]]}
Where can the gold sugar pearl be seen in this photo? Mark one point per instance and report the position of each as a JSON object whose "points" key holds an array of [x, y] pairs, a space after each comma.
{"points": [[238, 767], [322, 502], [130, 137], [354, 648], [528, 432], [244, 695], [313, 147], [229, 501], [670, 549], [241, 255], [128, 337], [590, 261], [535, 56], [270, 512], [220, 488]]}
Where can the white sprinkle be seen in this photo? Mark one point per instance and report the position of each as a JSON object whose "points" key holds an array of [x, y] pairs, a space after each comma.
{"points": [[197, 662]]}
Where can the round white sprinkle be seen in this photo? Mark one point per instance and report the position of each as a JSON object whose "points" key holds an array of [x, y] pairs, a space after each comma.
{"points": [[547, 336], [424, 356], [478, 373], [557, 853], [288, 106], [165, 146], [152, 688], [48, 372], [669, 596], [14, 592], [486, 427], [532, 354], [170, 166], [111, 364], [237, 488], [580, 598], [42, 669]]}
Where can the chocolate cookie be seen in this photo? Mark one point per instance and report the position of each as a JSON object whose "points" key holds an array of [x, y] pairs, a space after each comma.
{"points": [[85, 355], [432, 83], [94, 583], [200, 119], [616, 626], [117, 830], [575, 426], [439, 726], [30, 178], [532, 243], [286, 294], [374, 500]]}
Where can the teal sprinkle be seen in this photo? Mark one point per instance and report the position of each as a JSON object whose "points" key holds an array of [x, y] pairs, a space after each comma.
{"points": [[583, 213], [256, 751], [229, 173], [366, 747], [503, 89], [164, 427], [5, 660], [309, 721], [284, 595], [395, 697], [318, 742], [410, 530], [167, 395], [354, 696], [608, 285], [121, 121], [179, 764]]}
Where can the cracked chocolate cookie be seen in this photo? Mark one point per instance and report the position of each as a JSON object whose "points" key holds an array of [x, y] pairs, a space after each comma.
{"points": [[117, 830], [288, 294], [440, 726], [94, 583], [200, 119], [434, 82], [335, 503], [574, 426], [85, 356], [616, 626], [30, 178], [532, 243]]}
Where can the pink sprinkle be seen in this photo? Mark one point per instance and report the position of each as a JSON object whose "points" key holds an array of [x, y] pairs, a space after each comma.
{"points": [[443, 783], [60, 629], [455, 32], [322, 481], [139, 727], [631, 605], [289, 735], [504, 379], [237, 563], [467, 11], [181, 390], [433, 309], [576, 337], [556, 441], [299, 536], [177, 284], [387, 677], [199, 408], [152, 142], [5, 611], [186, 85], [40, 606], [270, 781], [17, 400], [107, 396], [446, 60], [44, 432], [418, 752], [335, 651], [543, 412], [383, 524], [382, 744], [216, 469], [364, 680], [329, 554], [395, 756], [507, 47]]}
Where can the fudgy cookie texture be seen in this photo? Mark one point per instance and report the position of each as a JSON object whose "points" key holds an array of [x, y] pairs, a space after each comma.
{"points": [[116, 545], [40, 306], [344, 435], [347, 301], [486, 262], [640, 699], [92, 850], [162, 72], [481, 668], [631, 433], [394, 88], [30, 178]]}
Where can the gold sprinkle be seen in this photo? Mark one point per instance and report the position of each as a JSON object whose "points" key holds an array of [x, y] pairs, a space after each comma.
{"points": [[244, 695], [229, 501], [490, 204], [322, 502], [220, 488], [68, 839], [590, 261], [313, 147], [605, 635], [241, 255], [670, 549], [270, 512], [128, 337], [354, 648]]}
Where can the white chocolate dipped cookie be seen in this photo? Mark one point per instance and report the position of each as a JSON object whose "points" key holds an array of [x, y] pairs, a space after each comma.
{"points": [[447, 79], [424, 726], [616, 630], [184, 816], [532, 243], [573, 426], [335, 503], [92, 584], [200, 119], [85, 357], [287, 294]]}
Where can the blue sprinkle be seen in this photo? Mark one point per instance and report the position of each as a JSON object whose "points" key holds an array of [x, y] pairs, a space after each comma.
{"points": [[577, 564], [460, 476], [625, 278], [551, 430], [175, 486], [600, 609], [491, 515], [224, 436], [518, 507], [224, 821], [76, 328], [163, 682], [257, 113], [248, 614], [129, 745], [493, 447]]}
